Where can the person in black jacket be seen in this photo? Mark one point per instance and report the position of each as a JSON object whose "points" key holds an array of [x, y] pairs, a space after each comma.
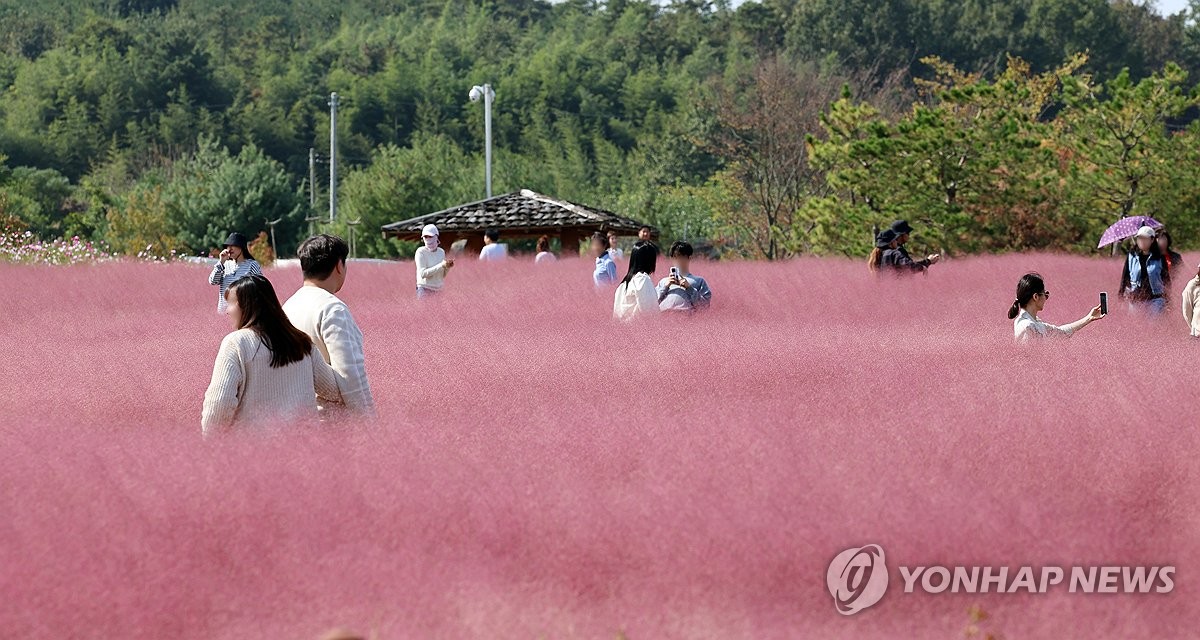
{"points": [[897, 260], [883, 242]]}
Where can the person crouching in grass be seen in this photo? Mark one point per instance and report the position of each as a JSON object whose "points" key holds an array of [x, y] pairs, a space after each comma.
{"points": [[681, 291], [267, 370]]}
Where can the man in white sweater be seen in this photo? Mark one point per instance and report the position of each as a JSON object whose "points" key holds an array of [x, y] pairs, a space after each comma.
{"points": [[315, 310]]}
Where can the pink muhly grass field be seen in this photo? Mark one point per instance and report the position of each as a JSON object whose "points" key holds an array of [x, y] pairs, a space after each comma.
{"points": [[540, 471]]}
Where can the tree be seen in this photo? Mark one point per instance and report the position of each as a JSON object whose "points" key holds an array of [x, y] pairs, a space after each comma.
{"points": [[38, 199], [214, 192], [139, 224], [973, 162], [402, 183], [760, 133], [1117, 145]]}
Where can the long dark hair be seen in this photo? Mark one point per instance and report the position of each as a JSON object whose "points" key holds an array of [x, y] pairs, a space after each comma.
{"points": [[1030, 285], [262, 313], [642, 259], [1171, 264]]}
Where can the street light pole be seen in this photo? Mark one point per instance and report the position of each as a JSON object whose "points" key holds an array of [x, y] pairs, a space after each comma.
{"points": [[488, 96], [333, 107]]}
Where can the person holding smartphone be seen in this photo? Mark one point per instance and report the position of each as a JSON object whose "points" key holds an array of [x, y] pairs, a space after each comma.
{"points": [[681, 291], [897, 260], [240, 264], [1030, 301]]}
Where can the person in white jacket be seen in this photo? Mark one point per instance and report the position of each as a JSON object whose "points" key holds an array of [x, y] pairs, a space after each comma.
{"points": [[1191, 304], [432, 263], [317, 311], [1030, 301], [636, 295]]}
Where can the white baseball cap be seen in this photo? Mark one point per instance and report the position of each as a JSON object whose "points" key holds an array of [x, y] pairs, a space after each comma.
{"points": [[430, 230], [1144, 232]]}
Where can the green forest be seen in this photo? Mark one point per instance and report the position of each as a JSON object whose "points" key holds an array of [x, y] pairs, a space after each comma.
{"points": [[769, 129]]}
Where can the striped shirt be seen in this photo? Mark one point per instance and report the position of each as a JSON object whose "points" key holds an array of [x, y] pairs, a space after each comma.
{"points": [[223, 277]]}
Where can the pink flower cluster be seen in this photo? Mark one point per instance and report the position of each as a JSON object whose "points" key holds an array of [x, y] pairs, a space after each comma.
{"points": [[27, 248]]}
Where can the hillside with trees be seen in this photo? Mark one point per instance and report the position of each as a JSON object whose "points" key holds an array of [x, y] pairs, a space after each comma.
{"points": [[772, 129]]}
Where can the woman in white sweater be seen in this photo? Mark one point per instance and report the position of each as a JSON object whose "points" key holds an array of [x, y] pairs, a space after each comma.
{"points": [[432, 263], [267, 371], [636, 295]]}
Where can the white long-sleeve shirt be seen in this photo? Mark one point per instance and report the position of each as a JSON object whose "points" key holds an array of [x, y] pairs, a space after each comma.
{"points": [[494, 252], [637, 298], [1191, 305], [245, 390], [431, 268], [327, 320], [1026, 328]]}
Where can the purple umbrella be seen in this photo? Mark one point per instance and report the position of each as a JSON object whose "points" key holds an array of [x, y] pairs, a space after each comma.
{"points": [[1126, 228]]}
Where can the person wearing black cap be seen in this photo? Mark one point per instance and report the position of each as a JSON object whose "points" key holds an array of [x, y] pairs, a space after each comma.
{"points": [[883, 242], [898, 260], [242, 264]]}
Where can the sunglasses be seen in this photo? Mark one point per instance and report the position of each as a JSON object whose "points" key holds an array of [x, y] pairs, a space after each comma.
{"points": [[1044, 294]]}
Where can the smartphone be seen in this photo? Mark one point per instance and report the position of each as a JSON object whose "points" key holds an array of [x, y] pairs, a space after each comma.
{"points": [[674, 272], [1104, 303]]}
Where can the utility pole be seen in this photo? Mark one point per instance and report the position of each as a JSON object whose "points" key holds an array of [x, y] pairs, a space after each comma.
{"points": [[274, 247], [312, 178], [353, 224], [333, 106], [312, 218]]}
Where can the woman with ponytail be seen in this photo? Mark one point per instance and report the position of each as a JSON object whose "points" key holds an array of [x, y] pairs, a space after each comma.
{"points": [[1031, 299]]}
